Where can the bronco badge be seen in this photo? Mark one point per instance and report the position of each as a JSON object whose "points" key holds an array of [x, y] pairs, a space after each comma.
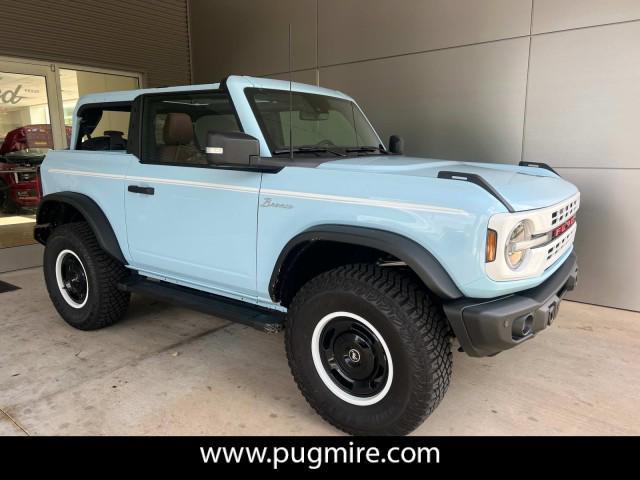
{"points": [[268, 202]]}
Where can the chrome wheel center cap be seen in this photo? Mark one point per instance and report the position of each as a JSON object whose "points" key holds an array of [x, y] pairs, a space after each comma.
{"points": [[354, 355]]}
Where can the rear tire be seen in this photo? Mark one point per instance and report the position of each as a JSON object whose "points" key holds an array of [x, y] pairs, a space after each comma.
{"points": [[369, 349], [82, 279]]}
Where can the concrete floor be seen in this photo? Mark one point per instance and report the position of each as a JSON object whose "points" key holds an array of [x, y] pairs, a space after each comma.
{"points": [[165, 370]]}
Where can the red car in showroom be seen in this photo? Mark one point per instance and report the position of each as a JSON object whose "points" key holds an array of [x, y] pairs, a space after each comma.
{"points": [[21, 154]]}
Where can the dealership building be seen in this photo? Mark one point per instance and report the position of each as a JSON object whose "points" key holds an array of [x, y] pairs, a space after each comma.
{"points": [[488, 81]]}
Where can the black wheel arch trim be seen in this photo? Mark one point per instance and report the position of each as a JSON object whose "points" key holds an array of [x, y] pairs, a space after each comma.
{"points": [[91, 212], [417, 258]]}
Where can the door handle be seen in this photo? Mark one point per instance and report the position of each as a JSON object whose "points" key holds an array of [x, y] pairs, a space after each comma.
{"points": [[142, 190]]}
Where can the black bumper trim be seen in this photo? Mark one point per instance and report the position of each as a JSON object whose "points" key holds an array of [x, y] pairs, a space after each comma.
{"points": [[485, 327]]}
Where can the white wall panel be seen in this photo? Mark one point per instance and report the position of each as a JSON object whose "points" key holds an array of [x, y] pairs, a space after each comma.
{"points": [[302, 76], [553, 15], [608, 237], [353, 30], [465, 103], [583, 103]]}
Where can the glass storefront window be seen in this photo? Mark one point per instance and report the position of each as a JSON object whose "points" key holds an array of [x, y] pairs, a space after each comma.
{"points": [[30, 114], [25, 136]]}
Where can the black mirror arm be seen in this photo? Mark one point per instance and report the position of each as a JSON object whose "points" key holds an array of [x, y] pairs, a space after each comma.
{"points": [[396, 145]]}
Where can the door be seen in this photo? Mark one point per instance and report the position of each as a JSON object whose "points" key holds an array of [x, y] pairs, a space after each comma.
{"points": [[36, 107], [188, 222], [28, 128]]}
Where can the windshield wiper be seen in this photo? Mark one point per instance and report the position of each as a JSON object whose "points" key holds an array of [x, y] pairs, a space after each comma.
{"points": [[307, 149], [365, 149]]}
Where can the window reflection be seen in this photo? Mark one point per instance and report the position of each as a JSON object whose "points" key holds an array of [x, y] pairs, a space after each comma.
{"points": [[26, 135]]}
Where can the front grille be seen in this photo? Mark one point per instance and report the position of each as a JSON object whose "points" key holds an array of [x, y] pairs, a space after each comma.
{"points": [[559, 245], [564, 213]]}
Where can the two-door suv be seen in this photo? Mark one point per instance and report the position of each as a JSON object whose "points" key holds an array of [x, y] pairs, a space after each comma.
{"points": [[276, 204]]}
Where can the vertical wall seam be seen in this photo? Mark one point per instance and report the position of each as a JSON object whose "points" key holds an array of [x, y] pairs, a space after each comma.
{"points": [[189, 47], [526, 84], [317, 43]]}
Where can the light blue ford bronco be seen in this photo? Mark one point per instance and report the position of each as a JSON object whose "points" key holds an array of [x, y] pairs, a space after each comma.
{"points": [[277, 205]]}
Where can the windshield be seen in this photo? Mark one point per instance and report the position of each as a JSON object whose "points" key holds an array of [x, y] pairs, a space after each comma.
{"points": [[315, 124]]}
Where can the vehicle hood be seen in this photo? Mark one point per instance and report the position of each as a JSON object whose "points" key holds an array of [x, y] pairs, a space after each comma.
{"points": [[525, 188]]}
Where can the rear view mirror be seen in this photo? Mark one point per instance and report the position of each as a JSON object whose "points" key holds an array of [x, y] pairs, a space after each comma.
{"points": [[313, 116], [396, 145], [231, 148]]}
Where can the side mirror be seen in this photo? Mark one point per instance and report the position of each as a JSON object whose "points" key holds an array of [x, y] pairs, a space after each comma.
{"points": [[231, 148], [396, 145]]}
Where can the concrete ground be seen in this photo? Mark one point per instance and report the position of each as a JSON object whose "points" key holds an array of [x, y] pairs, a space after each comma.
{"points": [[169, 371]]}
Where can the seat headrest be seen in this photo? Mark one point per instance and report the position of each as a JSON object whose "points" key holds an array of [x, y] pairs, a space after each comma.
{"points": [[178, 129]]}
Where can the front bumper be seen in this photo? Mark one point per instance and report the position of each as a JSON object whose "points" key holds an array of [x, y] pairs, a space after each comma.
{"points": [[485, 327]]}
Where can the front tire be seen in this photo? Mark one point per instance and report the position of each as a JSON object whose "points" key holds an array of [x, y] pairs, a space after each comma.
{"points": [[82, 279], [369, 349]]}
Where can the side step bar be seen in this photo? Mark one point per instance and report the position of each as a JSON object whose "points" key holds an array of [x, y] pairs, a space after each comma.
{"points": [[264, 319]]}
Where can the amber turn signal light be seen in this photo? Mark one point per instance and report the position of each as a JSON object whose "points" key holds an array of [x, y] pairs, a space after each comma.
{"points": [[492, 245]]}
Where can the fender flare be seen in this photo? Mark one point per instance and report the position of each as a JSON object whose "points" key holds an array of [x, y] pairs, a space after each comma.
{"points": [[91, 212], [418, 258]]}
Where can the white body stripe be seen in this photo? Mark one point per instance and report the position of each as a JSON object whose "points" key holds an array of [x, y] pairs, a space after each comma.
{"points": [[361, 201], [80, 173], [275, 193], [191, 183]]}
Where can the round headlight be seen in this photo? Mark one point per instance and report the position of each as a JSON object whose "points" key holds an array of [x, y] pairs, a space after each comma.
{"points": [[512, 254]]}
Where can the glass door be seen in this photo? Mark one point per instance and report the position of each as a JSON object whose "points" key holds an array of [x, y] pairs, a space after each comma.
{"points": [[36, 109], [28, 128]]}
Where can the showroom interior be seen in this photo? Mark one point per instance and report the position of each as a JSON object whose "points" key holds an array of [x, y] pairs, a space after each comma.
{"points": [[498, 81]]}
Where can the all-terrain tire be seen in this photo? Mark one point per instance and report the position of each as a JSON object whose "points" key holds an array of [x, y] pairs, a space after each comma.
{"points": [[410, 323], [103, 304]]}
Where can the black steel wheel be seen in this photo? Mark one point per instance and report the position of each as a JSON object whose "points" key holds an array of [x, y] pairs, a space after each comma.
{"points": [[369, 349], [82, 279], [71, 278], [352, 358]]}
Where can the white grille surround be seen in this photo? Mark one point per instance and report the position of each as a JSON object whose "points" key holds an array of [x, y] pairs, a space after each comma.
{"points": [[540, 222], [565, 212]]}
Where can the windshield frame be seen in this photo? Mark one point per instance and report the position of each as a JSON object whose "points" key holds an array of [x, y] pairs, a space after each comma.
{"points": [[274, 147]]}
